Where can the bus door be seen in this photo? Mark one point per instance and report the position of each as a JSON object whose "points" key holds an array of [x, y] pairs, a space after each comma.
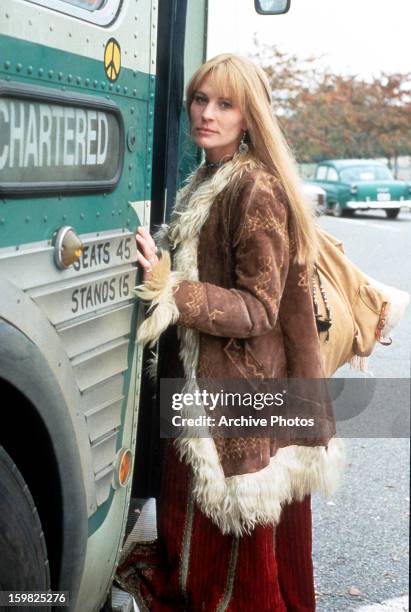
{"points": [[77, 93]]}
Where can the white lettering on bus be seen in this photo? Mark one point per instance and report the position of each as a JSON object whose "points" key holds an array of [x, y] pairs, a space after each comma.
{"points": [[80, 132], [102, 138], [31, 144], [16, 134], [45, 134], [68, 158], [58, 113], [92, 135], [3, 156], [40, 135]]}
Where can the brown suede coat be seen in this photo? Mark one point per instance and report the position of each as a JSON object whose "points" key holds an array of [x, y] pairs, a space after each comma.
{"points": [[252, 306]]}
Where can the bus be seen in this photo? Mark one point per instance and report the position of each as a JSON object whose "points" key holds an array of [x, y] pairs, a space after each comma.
{"points": [[92, 145]]}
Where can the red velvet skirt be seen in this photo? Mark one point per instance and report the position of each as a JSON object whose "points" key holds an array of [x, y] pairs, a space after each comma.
{"points": [[193, 567]]}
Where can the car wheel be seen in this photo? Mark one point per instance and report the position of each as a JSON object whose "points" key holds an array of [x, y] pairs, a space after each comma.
{"points": [[338, 210], [23, 561], [392, 213]]}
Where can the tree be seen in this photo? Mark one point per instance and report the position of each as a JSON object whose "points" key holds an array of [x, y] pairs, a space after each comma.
{"points": [[327, 115]]}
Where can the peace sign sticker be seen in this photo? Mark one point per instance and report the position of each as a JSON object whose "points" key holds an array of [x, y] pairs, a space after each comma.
{"points": [[112, 59]]}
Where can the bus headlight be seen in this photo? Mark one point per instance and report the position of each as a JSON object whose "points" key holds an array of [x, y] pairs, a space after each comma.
{"points": [[67, 247]]}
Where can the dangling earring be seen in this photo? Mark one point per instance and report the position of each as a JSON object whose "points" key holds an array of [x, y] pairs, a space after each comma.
{"points": [[243, 146]]}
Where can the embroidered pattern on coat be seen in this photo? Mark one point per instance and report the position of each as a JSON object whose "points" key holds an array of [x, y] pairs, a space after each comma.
{"points": [[235, 448], [214, 314], [240, 355], [193, 306], [263, 283], [293, 246], [265, 220], [302, 282], [252, 366]]}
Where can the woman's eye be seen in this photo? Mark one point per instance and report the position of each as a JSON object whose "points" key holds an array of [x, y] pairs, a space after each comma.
{"points": [[199, 99], [224, 104]]}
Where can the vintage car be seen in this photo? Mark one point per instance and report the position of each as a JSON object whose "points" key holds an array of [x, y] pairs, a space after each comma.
{"points": [[361, 184]]}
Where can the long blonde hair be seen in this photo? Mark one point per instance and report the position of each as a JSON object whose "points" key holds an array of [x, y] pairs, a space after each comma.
{"points": [[247, 86]]}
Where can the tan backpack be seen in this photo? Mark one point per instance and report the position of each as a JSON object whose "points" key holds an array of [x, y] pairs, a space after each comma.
{"points": [[353, 311]]}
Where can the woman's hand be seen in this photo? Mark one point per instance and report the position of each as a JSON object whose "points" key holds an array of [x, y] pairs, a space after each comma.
{"points": [[146, 251]]}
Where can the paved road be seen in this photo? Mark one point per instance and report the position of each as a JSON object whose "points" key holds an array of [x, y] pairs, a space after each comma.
{"points": [[361, 537]]}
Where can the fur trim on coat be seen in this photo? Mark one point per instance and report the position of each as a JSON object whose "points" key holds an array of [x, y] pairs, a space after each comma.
{"points": [[235, 503]]}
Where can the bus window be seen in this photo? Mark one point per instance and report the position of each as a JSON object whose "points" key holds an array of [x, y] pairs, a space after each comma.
{"points": [[89, 5], [101, 12]]}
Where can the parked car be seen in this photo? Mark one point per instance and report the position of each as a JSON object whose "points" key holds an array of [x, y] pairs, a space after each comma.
{"points": [[361, 184], [317, 197]]}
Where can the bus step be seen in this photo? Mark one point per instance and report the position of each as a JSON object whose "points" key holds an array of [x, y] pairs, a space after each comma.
{"points": [[134, 511], [122, 601], [144, 530]]}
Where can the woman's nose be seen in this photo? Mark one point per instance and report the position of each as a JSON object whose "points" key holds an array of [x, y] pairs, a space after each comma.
{"points": [[208, 112]]}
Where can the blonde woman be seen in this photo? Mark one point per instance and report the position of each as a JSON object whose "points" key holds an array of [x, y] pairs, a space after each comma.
{"points": [[230, 291]]}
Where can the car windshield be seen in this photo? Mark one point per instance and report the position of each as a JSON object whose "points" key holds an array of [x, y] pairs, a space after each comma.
{"points": [[366, 173]]}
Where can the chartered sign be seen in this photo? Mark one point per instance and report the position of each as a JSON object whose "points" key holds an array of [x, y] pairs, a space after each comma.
{"points": [[53, 142]]}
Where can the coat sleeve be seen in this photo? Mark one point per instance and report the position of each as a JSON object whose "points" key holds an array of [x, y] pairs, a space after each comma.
{"points": [[261, 260]]}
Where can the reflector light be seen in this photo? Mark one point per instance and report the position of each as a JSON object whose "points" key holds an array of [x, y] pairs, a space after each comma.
{"points": [[123, 469]]}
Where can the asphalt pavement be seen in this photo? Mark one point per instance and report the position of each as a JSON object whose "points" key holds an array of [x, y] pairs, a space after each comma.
{"points": [[361, 535]]}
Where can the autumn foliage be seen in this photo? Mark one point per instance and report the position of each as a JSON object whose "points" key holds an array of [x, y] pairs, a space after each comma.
{"points": [[327, 115]]}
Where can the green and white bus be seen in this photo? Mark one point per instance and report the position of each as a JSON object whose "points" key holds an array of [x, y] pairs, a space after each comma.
{"points": [[91, 120]]}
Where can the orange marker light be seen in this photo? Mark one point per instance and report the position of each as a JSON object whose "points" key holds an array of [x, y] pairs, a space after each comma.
{"points": [[124, 466]]}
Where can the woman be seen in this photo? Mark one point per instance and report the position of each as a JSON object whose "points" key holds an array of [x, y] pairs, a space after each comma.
{"points": [[234, 520]]}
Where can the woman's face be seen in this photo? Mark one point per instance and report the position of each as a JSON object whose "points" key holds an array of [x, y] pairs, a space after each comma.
{"points": [[216, 124]]}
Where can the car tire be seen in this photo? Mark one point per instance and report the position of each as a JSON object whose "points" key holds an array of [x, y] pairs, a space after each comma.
{"points": [[392, 213], [338, 210], [23, 561]]}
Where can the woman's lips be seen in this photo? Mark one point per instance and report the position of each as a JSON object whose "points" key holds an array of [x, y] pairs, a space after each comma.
{"points": [[205, 131]]}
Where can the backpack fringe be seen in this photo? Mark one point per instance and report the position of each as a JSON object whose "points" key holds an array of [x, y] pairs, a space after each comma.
{"points": [[359, 363]]}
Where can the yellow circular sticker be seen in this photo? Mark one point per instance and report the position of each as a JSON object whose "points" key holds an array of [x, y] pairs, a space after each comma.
{"points": [[112, 59]]}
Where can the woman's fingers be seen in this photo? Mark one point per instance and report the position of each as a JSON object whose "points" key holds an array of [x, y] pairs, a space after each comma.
{"points": [[142, 232], [143, 261], [147, 264], [146, 244], [146, 251], [146, 261]]}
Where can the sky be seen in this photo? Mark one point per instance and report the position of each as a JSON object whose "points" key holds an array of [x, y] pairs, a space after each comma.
{"points": [[355, 36]]}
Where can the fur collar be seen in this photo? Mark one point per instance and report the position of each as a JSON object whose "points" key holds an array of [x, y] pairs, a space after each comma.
{"points": [[238, 503]]}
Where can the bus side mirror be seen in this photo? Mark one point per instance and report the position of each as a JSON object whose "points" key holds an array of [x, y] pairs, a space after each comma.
{"points": [[272, 7]]}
